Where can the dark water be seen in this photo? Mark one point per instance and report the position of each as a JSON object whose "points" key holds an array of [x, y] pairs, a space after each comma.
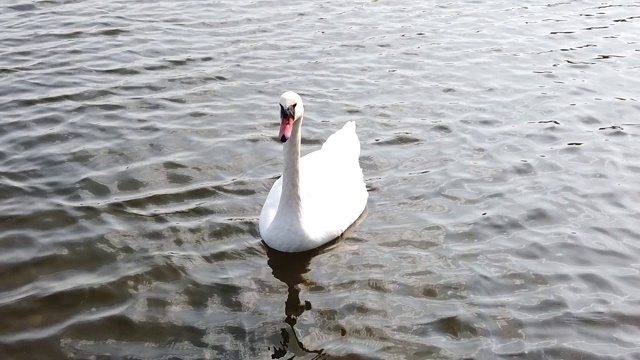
{"points": [[500, 143]]}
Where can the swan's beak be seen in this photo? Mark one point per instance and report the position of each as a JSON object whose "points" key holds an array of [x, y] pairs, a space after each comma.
{"points": [[286, 123]]}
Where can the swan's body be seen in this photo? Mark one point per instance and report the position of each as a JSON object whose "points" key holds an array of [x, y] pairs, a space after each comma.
{"points": [[318, 196]]}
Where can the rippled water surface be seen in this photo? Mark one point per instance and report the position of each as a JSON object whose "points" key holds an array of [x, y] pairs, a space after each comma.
{"points": [[500, 144]]}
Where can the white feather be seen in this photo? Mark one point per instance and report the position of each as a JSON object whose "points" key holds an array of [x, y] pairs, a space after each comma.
{"points": [[332, 196]]}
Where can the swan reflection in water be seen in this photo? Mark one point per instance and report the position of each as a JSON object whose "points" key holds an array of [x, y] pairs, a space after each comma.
{"points": [[290, 269]]}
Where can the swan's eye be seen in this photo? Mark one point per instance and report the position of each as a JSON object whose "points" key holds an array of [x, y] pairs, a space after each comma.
{"points": [[294, 105]]}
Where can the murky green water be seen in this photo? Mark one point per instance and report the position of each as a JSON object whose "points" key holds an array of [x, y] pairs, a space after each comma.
{"points": [[500, 143]]}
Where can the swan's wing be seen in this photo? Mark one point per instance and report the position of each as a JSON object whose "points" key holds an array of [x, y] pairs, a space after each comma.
{"points": [[333, 189], [344, 141]]}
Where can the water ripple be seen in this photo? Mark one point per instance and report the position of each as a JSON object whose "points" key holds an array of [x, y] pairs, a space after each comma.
{"points": [[499, 145]]}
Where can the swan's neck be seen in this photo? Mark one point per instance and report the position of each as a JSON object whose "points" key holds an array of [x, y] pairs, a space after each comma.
{"points": [[290, 201]]}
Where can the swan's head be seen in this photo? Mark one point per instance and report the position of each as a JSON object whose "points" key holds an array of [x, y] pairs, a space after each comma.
{"points": [[291, 110]]}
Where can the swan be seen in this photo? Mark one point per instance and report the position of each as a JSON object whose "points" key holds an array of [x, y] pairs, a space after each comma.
{"points": [[319, 195]]}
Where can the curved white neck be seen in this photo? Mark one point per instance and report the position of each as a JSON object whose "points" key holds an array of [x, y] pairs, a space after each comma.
{"points": [[290, 205]]}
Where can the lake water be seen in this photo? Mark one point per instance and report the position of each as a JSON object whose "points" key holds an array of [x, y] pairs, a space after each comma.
{"points": [[500, 144]]}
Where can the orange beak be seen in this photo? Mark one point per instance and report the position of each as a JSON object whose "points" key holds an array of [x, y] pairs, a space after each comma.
{"points": [[286, 125]]}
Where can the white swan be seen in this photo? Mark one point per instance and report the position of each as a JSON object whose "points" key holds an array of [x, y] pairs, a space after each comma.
{"points": [[319, 196]]}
